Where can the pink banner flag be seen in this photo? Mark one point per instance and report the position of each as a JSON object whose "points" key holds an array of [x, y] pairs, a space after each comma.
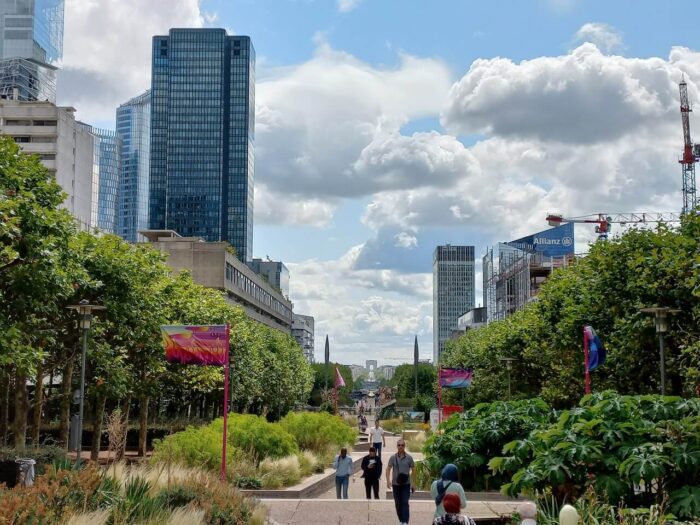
{"points": [[196, 345], [339, 382], [455, 377]]}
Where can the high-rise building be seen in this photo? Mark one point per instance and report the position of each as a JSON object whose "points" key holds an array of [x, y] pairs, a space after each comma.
{"points": [[453, 291], [303, 332], [202, 136], [134, 132], [105, 170], [275, 272], [64, 146], [31, 41]]}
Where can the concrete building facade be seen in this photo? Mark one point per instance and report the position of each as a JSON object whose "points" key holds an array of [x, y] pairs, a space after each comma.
{"points": [[303, 332], [453, 291], [63, 145], [214, 266]]}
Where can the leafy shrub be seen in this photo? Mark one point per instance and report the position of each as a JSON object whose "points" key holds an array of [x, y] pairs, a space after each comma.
{"points": [[255, 435], [613, 444], [317, 431], [471, 438], [247, 482], [194, 447], [393, 425]]}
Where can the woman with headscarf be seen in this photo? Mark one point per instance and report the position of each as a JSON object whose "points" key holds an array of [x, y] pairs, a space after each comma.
{"points": [[447, 484]]}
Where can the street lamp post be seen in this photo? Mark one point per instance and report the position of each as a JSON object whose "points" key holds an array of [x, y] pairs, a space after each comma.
{"points": [[509, 366], [85, 310], [661, 314]]}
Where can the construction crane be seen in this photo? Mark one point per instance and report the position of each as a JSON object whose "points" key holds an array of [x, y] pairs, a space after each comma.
{"points": [[691, 152], [604, 221]]}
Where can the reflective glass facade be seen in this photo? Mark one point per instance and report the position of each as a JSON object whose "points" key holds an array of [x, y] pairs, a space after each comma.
{"points": [[31, 30], [453, 291], [106, 170], [134, 132], [202, 136]]}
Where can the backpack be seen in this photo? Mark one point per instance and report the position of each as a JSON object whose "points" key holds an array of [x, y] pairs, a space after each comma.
{"points": [[441, 494]]}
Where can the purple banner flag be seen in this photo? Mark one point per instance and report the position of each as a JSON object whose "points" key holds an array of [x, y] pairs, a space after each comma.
{"points": [[455, 377], [196, 345]]}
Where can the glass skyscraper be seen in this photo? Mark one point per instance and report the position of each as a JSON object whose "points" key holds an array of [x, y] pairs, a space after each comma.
{"points": [[134, 132], [453, 291], [105, 175], [31, 41], [202, 136]]}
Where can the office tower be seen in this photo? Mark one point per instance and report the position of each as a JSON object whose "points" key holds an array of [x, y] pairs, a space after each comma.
{"points": [[64, 146], [202, 135], [275, 272], [108, 166], [134, 132], [303, 332], [453, 291], [31, 41]]}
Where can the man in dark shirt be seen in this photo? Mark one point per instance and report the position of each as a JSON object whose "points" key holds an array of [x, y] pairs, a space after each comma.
{"points": [[372, 471]]}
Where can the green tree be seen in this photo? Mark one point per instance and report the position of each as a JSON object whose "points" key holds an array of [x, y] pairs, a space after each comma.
{"points": [[605, 288], [320, 371], [404, 381]]}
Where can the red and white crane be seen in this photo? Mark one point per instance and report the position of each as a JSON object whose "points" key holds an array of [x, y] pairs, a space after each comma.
{"points": [[604, 221], [691, 153]]}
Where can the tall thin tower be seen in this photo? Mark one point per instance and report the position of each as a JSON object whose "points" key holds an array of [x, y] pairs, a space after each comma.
{"points": [[689, 158]]}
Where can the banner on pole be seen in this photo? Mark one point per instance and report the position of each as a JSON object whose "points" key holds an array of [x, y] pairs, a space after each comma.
{"points": [[196, 345], [455, 377], [339, 381], [596, 350]]}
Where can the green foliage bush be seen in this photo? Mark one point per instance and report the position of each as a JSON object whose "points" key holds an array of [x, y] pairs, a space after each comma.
{"points": [[614, 445], [195, 447], [318, 431], [473, 437], [255, 435]]}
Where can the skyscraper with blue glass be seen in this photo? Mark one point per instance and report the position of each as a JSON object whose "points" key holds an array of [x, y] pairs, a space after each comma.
{"points": [[202, 136], [134, 131], [31, 42]]}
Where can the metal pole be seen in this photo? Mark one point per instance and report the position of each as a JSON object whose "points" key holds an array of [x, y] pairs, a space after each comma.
{"points": [[509, 395], [82, 390], [662, 357]]}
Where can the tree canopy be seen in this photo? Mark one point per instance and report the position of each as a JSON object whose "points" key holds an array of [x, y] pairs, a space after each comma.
{"points": [[606, 289]]}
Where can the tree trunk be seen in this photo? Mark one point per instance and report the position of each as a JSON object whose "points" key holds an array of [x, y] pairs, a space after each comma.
{"points": [[126, 406], [100, 401], [143, 425], [38, 404], [4, 404], [66, 398], [21, 408]]}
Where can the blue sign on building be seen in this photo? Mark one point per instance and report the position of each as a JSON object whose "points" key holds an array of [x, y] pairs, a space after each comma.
{"points": [[555, 242]]}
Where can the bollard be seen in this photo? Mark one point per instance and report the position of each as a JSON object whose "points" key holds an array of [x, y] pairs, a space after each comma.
{"points": [[528, 513], [568, 515]]}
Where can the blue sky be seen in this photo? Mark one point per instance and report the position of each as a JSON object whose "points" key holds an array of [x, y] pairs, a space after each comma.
{"points": [[386, 127]]}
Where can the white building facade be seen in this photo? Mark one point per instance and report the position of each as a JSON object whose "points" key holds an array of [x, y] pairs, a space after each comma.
{"points": [[303, 332]]}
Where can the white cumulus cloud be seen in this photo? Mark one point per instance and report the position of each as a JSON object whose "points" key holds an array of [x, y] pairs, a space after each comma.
{"points": [[605, 37]]}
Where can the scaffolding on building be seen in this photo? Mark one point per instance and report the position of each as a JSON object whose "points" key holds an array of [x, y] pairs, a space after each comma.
{"points": [[513, 277], [27, 80]]}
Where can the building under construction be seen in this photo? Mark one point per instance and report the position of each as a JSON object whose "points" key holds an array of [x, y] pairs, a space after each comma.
{"points": [[514, 272]]}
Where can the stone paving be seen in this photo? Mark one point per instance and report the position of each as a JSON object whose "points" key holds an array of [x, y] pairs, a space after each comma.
{"points": [[325, 509]]}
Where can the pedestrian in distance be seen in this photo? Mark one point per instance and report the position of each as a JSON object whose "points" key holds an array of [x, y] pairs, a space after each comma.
{"points": [[372, 472], [343, 470], [401, 479], [376, 437], [452, 514], [447, 484]]}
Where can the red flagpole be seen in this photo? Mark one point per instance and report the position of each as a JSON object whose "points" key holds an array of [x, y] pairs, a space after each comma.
{"points": [[585, 362], [226, 374], [439, 395]]}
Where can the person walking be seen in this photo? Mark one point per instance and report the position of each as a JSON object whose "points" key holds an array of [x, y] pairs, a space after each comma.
{"points": [[452, 515], [372, 472], [447, 484], [376, 437], [401, 479], [343, 470]]}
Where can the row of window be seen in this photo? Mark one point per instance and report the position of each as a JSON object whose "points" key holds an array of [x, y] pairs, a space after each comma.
{"points": [[242, 282]]}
